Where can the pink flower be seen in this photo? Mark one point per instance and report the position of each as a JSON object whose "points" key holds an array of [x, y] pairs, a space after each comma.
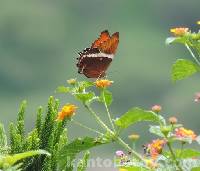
{"points": [[185, 133], [119, 153]]}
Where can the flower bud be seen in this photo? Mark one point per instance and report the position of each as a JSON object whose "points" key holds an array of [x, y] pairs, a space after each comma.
{"points": [[156, 108], [119, 153], [71, 81], [134, 137], [173, 120]]}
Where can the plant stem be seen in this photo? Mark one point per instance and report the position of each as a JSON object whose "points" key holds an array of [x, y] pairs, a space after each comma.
{"points": [[182, 144], [86, 127], [101, 123], [126, 146], [174, 157], [107, 110], [190, 50]]}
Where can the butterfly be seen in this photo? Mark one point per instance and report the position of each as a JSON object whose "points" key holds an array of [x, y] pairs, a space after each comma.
{"points": [[94, 61]]}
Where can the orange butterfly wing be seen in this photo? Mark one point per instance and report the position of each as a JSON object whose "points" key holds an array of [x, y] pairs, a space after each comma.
{"points": [[103, 38], [110, 46]]}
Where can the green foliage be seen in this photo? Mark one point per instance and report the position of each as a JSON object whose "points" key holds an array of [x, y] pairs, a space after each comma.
{"points": [[62, 89], [82, 166], [183, 68], [20, 121], [185, 153], [156, 130], [3, 140], [7, 161], [135, 115], [85, 97], [38, 124], [106, 96], [181, 40], [48, 134], [69, 151]]}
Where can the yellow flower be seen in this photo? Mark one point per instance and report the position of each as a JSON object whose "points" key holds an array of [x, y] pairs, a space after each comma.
{"points": [[198, 22], [71, 81], [179, 31], [103, 83], [67, 111], [121, 169], [185, 133]]}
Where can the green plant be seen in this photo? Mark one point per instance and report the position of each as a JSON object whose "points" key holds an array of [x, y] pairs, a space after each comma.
{"points": [[183, 68], [169, 133], [12, 162], [49, 148]]}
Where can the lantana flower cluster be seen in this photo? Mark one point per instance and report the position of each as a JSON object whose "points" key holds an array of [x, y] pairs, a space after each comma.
{"points": [[67, 111]]}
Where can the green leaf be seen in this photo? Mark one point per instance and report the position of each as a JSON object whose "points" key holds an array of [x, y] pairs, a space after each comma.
{"points": [[156, 130], [108, 97], [182, 40], [12, 159], [170, 40], [85, 97], [16, 167], [188, 153], [185, 153], [183, 68], [196, 169], [136, 115], [62, 89], [82, 166], [68, 153], [86, 84]]}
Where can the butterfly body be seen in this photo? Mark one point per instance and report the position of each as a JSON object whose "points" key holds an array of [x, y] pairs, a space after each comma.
{"points": [[94, 61]]}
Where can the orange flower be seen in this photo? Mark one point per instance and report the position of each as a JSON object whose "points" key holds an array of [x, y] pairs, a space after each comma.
{"points": [[67, 111], [155, 148], [103, 83], [180, 31], [185, 133], [173, 120]]}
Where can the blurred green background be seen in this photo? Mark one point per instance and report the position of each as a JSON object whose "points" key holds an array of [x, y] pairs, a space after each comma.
{"points": [[39, 41]]}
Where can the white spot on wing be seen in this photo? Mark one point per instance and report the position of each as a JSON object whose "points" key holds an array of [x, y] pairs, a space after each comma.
{"points": [[97, 55]]}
